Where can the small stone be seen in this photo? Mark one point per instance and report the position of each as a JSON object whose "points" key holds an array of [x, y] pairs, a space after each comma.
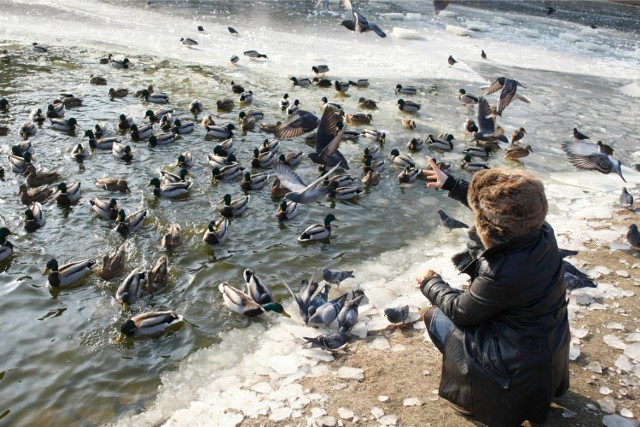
{"points": [[389, 420], [626, 413], [412, 401], [605, 390], [345, 414], [340, 386], [615, 325], [380, 343], [580, 332], [624, 364], [614, 341], [383, 398], [377, 412], [280, 414], [348, 373], [618, 421], [569, 414], [595, 367], [607, 405], [622, 273], [328, 421]]}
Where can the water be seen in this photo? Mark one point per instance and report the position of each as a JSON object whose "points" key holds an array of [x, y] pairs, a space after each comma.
{"points": [[60, 352]]}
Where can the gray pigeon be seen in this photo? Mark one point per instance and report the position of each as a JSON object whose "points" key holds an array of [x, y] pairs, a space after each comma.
{"points": [[573, 282], [633, 236], [328, 312], [508, 92], [330, 340], [586, 156], [335, 277], [450, 222], [303, 297], [584, 278], [348, 316], [317, 300], [302, 193], [626, 199], [397, 315], [328, 137]]}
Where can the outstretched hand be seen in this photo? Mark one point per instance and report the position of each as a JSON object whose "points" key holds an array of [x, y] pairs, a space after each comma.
{"points": [[434, 174], [426, 275]]}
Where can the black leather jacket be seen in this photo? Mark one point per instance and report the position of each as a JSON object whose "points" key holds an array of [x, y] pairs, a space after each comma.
{"points": [[507, 355]]}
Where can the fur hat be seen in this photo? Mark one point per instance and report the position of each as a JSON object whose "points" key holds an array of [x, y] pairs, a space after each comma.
{"points": [[507, 204]]}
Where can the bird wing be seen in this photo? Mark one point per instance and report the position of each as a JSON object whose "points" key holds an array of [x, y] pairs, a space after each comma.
{"points": [[579, 149], [599, 162], [321, 179], [360, 22], [327, 128], [296, 125], [507, 94], [289, 178], [495, 86], [485, 121], [377, 30]]}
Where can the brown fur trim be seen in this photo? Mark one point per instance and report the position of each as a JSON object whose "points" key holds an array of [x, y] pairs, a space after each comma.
{"points": [[507, 204]]}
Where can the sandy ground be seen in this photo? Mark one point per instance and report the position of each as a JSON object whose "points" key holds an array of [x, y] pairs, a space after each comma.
{"points": [[410, 367]]}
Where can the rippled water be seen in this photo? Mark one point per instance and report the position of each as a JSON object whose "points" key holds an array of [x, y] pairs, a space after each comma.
{"points": [[60, 361]]}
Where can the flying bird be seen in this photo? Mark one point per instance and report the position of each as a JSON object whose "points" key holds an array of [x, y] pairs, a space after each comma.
{"points": [[296, 124], [487, 125], [300, 192], [507, 94], [359, 23], [330, 131], [584, 155]]}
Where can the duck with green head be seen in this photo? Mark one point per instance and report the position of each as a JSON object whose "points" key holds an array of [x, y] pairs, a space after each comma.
{"points": [[442, 144], [133, 222], [6, 247], [68, 274], [34, 217], [107, 209], [170, 178], [253, 182], [241, 303], [287, 210], [174, 189], [226, 173], [100, 143], [68, 194], [216, 232], [318, 231], [221, 132], [122, 152], [131, 287], [150, 323], [408, 106], [233, 208]]}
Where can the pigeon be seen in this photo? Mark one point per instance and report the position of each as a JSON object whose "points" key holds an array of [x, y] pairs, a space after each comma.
{"points": [[604, 148], [397, 315], [451, 60], [626, 199], [573, 282], [450, 222], [330, 340], [318, 299], [487, 124], [200, 28], [550, 10], [296, 124], [348, 316], [233, 31], [330, 131], [335, 277], [508, 92], [587, 156], [359, 23], [328, 312], [439, 5], [579, 135], [584, 278], [188, 42], [300, 192], [633, 236], [483, 55]]}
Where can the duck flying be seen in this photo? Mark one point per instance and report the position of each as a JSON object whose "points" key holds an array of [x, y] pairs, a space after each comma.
{"points": [[297, 124], [328, 137], [300, 192], [584, 155], [507, 94], [358, 23]]}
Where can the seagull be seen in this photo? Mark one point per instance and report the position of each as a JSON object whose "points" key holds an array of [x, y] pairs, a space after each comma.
{"points": [[579, 135], [301, 193], [397, 315], [584, 155], [509, 87], [359, 23], [330, 340], [626, 199], [328, 137], [633, 236], [450, 222], [335, 277]]}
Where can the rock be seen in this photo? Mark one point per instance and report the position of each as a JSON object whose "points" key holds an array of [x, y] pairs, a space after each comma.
{"points": [[569, 414], [389, 420], [574, 352], [615, 325], [622, 273], [618, 421], [412, 401], [605, 390], [607, 405], [580, 333], [383, 398], [380, 343], [377, 412], [614, 341], [626, 413], [595, 367], [633, 351], [591, 407], [280, 414], [328, 421], [623, 363], [347, 373], [345, 413]]}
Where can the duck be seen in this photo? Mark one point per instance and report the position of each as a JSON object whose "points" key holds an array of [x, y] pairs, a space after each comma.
{"points": [[440, 143], [118, 63], [155, 97], [415, 144], [408, 106], [472, 166], [133, 222], [408, 123], [234, 208], [18, 160], [124, 122], [185, 160], [27, 129], [32, 195], [470, 127], [36, 179], [360, 119], [467, 98], [236, 88], [246, 97], [79, 152], [253, 182], [225, 105], [174, 189], [372, 152], [302, 82], [150, 323], [345, 193], [320, 69], [517, 135], [196, 107], [286, 210], [34, 217], [113, 184], [344, 180], [263, 160], [118, 93], [297, 124], [284, 102], [166, 122], [270, 127], [105, 209], [170, 178], [102, 143], [56, 110], [290, 159], [113, 264], [63, 125], [156, 116], [402, 159], [221, 132], [121, 151], [97, 80], [131, 287], [293, 108], [179, 127], [207, 120], [247, 123], [406, 90], [277, 189], [241, 303], [482, 152], [322, 82], [256, 288], [5, 56], [68, 194], [68, 274], [367, 103], [37, 116], [188, 42], [216, 232], [373, 165], [140, 133], [409, 174], [226, 173], [360, 83], [6, 247], [270, 146], [253, 54], [326, 103], [158, 276], [226, 146], [517, 152], [374, 135], [217, 159], [318, 231], [100, 130], [341, 87], [173, 238]]}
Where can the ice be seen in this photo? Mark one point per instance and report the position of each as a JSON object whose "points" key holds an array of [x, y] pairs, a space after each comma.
{"points": [[389, 420], [283, 365], [316, 354], [280, 414], [377, 412], [380, 343], [615, 325], [360, 330], [633, 337], [406, 33], [262, 387], [528, 33], [502, 21], [328, 421], [383, 398], [622, 273], [607, 405], [458, 31], [623, 363], [378, 324], [574, 352], [570, 37], [605, 390], [595, 367], [412, 401], [590, 46], [318, 412], [380, 297], [580, 332], [633, 351], [348, 373], [614, 341], [230, 419], [447, 14], [478, 26], [626, 413], [618, 421], [345, 414]]}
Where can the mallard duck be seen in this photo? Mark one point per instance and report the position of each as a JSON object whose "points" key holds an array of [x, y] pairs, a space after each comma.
{"points": [[31, 195], [56, 110], [440, 143], [216, 232], [290, 159], [217, 159], [100, 130], [161, 139], [113, 184], [247, 123], [482, 152], [118, 93], [326, 103], [79, 152], [226, 173], [188, 42], [207, 121], [37, 116], [359, 83], [174, 189], [36, 179], [170, 178], [402, 159], [345, 193], [409, 174], [322, 82], [5, 56], [467, 98], [287, 210], [415, 144], [34, 217], [374, 135], [406, 90], [318, 231], [226, 146], [470, 126], [6, 247], [517, 152], [19, 161], [158, 276], [284, 102], [70, 100], [185, 160], [39, 48], [68, 274], [256, 288], [408, 106], [63, 125], [367, 103], [373, 165], [302, 82], [321, 69], [140, 133], [156, 97], [27, 129], [472, 166], [271, 146], [359, 119], [253, 55], [371, 178], [150, 323], [241, 303], [246, 97], [341, 87], [372, 152], [517, 135], [166, 122], [253, 182], [408, 123], [132, 223], [68, 194], [131, 287], [277, 189], [113, 264], [97, 80], [225, 105], [105, 209], [118, 63], [196, 107], [297, 124], [344, 180], [294, 107], [124, 122], [263, 160], [221, 132], [173, 238], [179, 127], [234, 208], [102, 143], [121, 151], [236, 88], [156, 116]]}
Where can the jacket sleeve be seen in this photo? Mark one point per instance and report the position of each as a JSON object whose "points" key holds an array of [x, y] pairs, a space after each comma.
{"points": [[457, 188], [484, 299]]}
